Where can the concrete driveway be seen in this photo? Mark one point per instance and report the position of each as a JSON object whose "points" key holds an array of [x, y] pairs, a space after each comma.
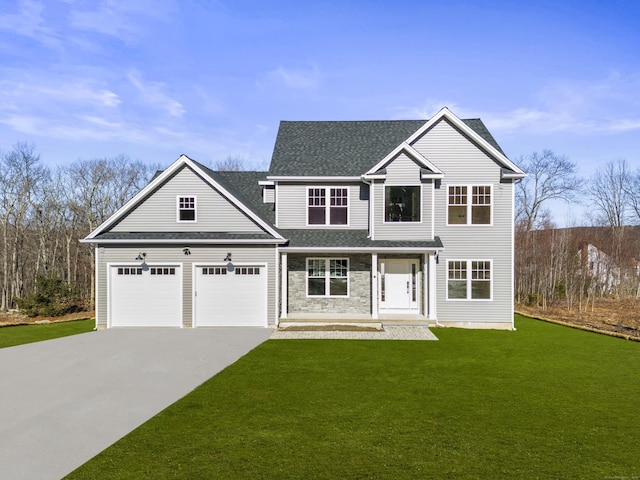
{"points": [[63, 401]]}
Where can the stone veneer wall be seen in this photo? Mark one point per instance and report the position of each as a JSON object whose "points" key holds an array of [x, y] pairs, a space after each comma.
{"points": [[358, 301]]}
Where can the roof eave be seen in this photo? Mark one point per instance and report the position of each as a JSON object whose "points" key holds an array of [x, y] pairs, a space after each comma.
{"points": [[311, 178], [157, 241]]}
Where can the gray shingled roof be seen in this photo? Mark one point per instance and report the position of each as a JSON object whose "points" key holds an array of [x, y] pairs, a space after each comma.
{"points": [[135, 236], [348, 148], [348, 239]]}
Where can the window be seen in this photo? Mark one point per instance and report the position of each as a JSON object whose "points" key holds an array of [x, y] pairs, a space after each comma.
{"points": [[327, 277], [461, 211], [162, 271], [402, 204], [187, 209], [338, 206], [129, 271], [247, 270], [469, 280], [214, 270]]}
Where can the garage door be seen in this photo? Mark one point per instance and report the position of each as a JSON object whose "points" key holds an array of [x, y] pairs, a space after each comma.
{"points": [[148, 297], [230, 296]]}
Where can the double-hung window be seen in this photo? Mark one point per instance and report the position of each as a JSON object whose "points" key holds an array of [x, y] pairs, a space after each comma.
{"points": [[327, 277], [469, 280], [327, 205], [186, 209], [469, 205]]}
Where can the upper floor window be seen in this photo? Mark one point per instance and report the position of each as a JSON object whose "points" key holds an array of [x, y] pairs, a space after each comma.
{"points": [[333, 210], [186, 209], [402, 204], [469, 280], [469, 205]]}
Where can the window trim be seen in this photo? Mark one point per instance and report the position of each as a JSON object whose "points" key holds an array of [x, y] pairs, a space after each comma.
{"points": [[195, 208], [470, 205], [384, 204], [327, 205], [327, 277], [469, 279]]}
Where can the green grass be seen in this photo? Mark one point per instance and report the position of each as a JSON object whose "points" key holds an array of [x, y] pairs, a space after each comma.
{"points": [[19, 334], [545, 402]]}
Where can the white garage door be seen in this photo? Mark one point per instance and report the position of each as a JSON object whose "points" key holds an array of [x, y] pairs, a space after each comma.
{"points": [[148, 297], [230, 297]]}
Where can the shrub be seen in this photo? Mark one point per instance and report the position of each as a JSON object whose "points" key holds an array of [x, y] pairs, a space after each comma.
{"points": [[53, 297]]}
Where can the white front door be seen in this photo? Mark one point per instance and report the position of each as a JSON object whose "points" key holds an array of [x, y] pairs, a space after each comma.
{"points": [[398, 288]]}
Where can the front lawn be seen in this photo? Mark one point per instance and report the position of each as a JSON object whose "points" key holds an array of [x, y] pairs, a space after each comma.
{"points": [[19, 334], [543, 402]]}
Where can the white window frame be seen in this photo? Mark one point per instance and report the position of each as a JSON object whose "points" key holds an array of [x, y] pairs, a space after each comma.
{"points": [[179, 209], [327, 206], [469, 204], [384, 205], [327, 276], [468, 269]]}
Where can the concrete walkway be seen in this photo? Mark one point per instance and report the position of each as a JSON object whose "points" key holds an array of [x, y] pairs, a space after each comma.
{"points": [[387, 333], [63, 401]]}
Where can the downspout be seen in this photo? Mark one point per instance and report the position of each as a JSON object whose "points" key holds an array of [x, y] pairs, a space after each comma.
{"points": [[371, 204]]}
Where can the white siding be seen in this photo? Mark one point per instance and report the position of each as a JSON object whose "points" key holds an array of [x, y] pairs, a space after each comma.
{"points": [[463, 163], [268, 194], [402, 171], [158, 212], [174, 255], [291, 203]]}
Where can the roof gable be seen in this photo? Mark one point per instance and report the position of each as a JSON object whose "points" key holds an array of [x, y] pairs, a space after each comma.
{"points": [[428, 170], [352, 148], [159, 180]]}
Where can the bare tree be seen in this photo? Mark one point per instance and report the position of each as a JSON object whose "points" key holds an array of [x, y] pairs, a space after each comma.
{"points": [[550, 177], [22, 191], [230, 164], [609, 192], [633, 191]]}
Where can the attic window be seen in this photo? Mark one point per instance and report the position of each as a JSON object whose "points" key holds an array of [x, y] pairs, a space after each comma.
{"points": [[186, 209]]}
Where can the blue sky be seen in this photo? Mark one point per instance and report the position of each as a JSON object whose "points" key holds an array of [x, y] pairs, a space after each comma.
{"points": [[153, 79]]}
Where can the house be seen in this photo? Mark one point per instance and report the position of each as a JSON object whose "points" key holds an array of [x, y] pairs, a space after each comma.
{"points": [[370, 221]]}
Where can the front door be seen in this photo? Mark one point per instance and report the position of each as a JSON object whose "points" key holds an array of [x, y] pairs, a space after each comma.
{"points": [[398, 287]]}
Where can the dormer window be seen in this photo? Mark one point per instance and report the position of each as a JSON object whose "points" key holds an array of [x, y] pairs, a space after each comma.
{"points": [[402, 204], [186, 209], [333, 210]]}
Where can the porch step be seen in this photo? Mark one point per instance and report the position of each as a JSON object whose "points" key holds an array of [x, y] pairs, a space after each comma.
{"points": [[331, 326]]}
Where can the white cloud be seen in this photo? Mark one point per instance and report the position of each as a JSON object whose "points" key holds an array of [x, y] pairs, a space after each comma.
{"points": [[29, 22], [152, 94], [607, 106], [123, 19], [297, 79]]}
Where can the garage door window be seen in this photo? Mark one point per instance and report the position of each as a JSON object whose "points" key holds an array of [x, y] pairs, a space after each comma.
{"points": [[129, 271], [214, 270], [162, 271], [247, 270]]}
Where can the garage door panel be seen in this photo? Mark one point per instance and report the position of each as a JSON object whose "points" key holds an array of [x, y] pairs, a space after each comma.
{"points": [[145, 297], [231, 298]]}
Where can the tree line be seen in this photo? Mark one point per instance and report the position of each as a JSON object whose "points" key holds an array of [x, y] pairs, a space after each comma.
{"points": [[576, 265], [45, 211]]}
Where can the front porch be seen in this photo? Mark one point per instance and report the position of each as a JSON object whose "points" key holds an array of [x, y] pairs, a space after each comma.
{"points": [[355, 288]]}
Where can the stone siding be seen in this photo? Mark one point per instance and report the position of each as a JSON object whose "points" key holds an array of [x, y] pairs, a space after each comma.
{"points": [[358, 301]]}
